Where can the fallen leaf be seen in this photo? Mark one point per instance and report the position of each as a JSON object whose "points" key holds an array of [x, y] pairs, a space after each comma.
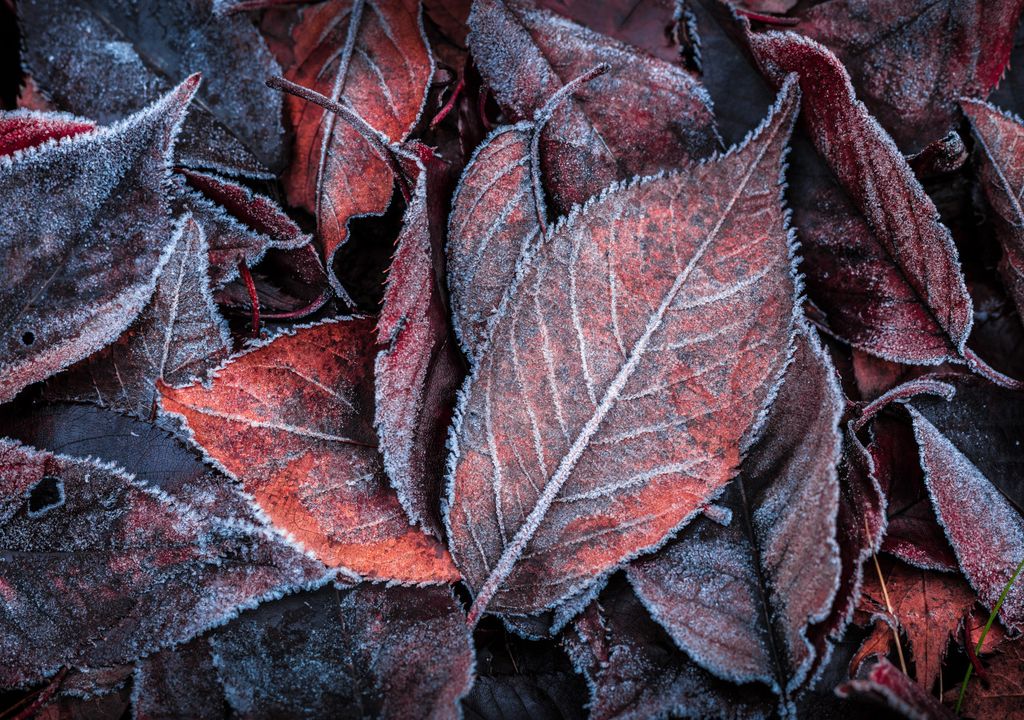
{"points": [[648, 366], [986, 532], [83, 253], [886, 687], [739, 598], [373, 56], [908, 258], [1003, 695], [912, 60], [177, 339], [645, 24], [525, 54], [23, 129], [101, 569], [291, 419], [105, 59]]}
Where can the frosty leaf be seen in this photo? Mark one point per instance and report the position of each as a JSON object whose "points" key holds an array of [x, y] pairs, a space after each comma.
{"points": [[985, 530], [1000, 139], [151, 454], [291, 419], [913, 247], [23, 129], [176, 339], [372, 56], [912, 60], [82, 254], [526, 54], [99, 569], [1002, 696], [636, 672], [418, 369], [179, 682], [105, 59], [712, 587], [887, 687], [624, 376], [646, 24], [929, 607], [368, 652]]}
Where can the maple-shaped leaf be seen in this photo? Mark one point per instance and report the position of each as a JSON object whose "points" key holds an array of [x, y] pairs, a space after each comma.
{"points": [[23, 129], [151, 454], [370, 651], [82, 255], [1001, 172], [929, 607], [1001, 695], [912, 60], [372, 56], [624, 377], [739, 598], [100, 569], [498, 219], [418, 368], [177, 339], [292, 420], [985, 530], [907, 263], [526, 54], [104, 59], [886, 687], [635, 671]]}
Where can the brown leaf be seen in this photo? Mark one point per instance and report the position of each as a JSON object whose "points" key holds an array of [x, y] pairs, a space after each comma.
{"points": [[1003, 695], [177, 339], [526, 54], [624, 377], [291, 419], [373, 56], [100, 569], [740, 598], [82, 255]]}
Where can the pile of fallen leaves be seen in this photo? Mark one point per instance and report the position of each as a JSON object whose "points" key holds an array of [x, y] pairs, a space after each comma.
{"points": [[632, 359]]}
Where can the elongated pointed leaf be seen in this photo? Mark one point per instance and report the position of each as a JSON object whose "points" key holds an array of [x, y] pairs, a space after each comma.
{"points": [[912, 60], [177, 339], [624, 377], [901, 217], [104, 59], [712, 587], [291, 419], [373, 56], [99, 569], [82, 254], [526, 54]]}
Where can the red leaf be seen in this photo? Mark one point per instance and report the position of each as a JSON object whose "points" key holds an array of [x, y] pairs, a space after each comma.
{"points": [[888, 688], [646, 24], [290, 419], [908, 257], [177, 339], [526, 54], [81, 257], [611, 321], [102, 569], [986, 532], [380, 68], [1003, 695], [418, 369], [383, 652], [1002, 176], [770, 573], [104, 59], [24, 129], [912, 60]]}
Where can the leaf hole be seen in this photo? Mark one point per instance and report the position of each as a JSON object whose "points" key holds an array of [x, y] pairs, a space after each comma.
{"points": [[45, 495], [27, 338]]}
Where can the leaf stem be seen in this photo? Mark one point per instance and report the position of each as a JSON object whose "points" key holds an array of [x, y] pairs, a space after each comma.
{"points": [[254, 298], [982, 368], [984, 632]]}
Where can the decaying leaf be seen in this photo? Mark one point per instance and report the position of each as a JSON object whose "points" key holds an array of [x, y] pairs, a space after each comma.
{"points": [[105, 59], [291, 419], [739, 598], [177, 338], [624, 376], [525, 54], [82, 255], [100, 569]]}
